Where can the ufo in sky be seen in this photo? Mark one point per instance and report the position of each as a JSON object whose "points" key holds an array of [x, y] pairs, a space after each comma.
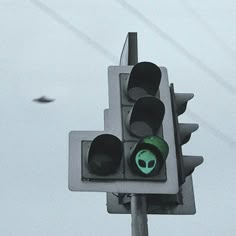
{"points": [[43, 99]]}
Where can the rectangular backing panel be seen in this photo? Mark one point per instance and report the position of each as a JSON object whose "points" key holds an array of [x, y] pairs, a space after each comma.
{"points": [[114, 126]]}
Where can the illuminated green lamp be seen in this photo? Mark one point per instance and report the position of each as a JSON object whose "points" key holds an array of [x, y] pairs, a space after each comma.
{"points": [[148, 156]]}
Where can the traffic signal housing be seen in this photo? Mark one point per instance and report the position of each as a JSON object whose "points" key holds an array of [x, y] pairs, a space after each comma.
{"points": [[140, 149], [136, 152]]}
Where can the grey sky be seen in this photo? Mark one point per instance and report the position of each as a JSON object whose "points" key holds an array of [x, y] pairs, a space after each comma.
{"points": [[41, 56]]}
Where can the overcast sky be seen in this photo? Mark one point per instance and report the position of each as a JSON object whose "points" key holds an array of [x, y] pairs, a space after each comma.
{"points": [[62, 50]]}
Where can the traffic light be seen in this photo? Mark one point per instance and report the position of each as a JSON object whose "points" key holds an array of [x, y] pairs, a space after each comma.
{"points": [[140, 149], [142, 115], [136, 152], [183, 131]]}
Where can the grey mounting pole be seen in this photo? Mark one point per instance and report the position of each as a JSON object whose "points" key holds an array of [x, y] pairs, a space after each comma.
{"points": [[139, 215], [129, 56]]}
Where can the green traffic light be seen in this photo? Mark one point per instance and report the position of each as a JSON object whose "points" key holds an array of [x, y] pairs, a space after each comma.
{"points": [[148, 156]]}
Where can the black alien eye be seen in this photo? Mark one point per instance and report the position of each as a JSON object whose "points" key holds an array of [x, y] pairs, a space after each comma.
{"points": [[151, 164], [142, 163]]}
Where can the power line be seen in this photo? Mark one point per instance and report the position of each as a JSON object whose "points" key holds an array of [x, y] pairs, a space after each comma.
{"points": [[215, 132], [215, 76], [80, 34], [209, 29]]}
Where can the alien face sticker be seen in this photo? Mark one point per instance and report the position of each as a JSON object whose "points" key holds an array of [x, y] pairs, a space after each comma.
{"points": [[145, 161]]}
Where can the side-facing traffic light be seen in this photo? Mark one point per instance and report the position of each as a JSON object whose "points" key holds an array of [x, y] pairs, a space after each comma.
{"points": [[183, 131]]}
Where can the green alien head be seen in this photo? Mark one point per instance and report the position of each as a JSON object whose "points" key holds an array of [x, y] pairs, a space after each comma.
{"points": [[145, 161]]}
